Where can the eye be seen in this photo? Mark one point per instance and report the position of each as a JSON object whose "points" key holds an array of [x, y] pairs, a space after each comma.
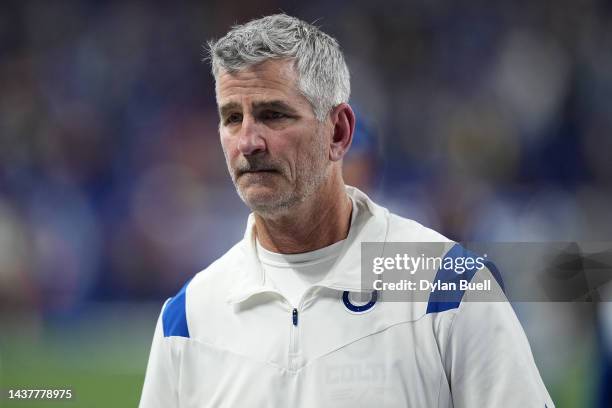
{"points": [[273, 115], [233, 118]]}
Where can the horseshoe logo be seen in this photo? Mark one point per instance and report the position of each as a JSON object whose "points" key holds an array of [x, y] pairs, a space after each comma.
{"points": [[358, 309]]}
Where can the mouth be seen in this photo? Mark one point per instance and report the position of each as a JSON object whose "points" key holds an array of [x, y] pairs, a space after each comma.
{"points": [[261, 171]]}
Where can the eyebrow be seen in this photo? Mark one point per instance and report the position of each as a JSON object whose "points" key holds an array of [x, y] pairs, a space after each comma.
{"points": [[274, 104], [225, 109]]}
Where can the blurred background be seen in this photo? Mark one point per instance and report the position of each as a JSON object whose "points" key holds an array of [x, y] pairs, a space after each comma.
{"points": [[486, 121]]}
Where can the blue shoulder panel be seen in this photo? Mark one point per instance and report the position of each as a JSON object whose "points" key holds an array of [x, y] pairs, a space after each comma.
{"points": [[441, 300], [174, 317]]}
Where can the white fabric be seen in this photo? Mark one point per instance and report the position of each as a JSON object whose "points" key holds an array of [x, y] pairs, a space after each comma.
{"points": [[293, 274], [243, 349]]}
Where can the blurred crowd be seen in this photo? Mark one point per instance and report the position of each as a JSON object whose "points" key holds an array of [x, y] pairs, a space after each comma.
{"points": [[483, 121]]}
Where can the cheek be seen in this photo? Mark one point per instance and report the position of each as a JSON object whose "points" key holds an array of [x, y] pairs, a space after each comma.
{"points": [[286, 149], [228, 146], [296, 146]]}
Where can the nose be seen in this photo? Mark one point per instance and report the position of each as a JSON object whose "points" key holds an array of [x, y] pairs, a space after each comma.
{"points": [[250, 139]]}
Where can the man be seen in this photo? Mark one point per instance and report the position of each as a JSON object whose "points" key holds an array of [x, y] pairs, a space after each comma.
{"points": [[274, 322]]}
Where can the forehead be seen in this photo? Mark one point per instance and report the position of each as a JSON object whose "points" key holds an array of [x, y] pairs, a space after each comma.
{"points": [[269, 80]]}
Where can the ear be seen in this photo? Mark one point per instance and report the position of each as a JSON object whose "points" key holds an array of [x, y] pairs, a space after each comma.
{"points": [[343, 122]]}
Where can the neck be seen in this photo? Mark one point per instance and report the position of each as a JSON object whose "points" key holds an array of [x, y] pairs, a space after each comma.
{"points": [[316, 223]]}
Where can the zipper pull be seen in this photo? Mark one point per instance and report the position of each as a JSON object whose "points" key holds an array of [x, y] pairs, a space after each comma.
{"points": [[294, 315]]}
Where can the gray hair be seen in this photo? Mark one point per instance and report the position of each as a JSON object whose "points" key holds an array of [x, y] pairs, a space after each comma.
{"points": [[323, 77]]}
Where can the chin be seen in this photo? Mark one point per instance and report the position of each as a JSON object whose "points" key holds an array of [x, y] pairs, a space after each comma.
{"points": [[265, 200], [259, 196]]}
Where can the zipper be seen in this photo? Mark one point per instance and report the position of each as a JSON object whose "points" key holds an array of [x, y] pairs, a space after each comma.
{"points": [[295, 355], [293, 342]]}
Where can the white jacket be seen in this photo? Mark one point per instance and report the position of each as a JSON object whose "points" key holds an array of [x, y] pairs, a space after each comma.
{"points": [[228, 339]]}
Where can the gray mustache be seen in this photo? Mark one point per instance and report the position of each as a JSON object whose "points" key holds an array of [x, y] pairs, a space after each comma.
{"points": [[255, 164]]}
